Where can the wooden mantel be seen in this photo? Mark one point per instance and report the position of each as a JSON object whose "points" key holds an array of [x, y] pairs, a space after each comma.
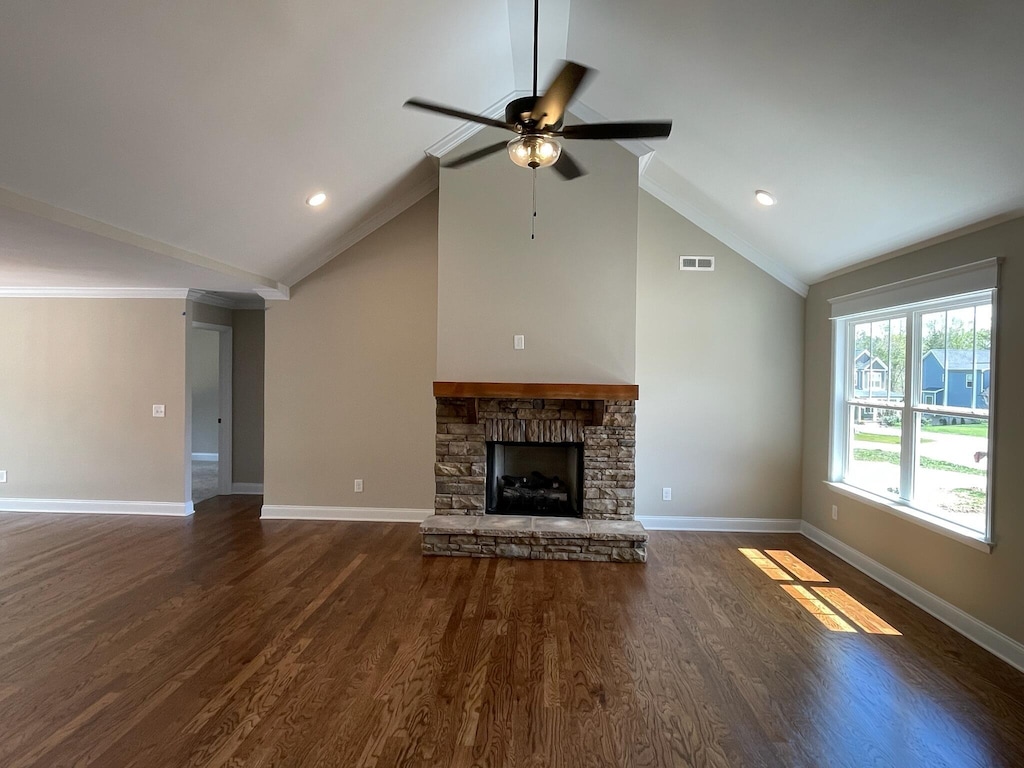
{"points": [[528, 391], [598, 393]]}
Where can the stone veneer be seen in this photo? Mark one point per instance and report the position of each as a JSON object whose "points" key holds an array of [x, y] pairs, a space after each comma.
{"points": [[606, 530], [535, 538], [609, 449]]}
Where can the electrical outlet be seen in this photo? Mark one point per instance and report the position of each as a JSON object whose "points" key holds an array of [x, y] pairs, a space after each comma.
{"points": [[158, 411], [835, 512], [519, 341], [359, 486], [3, 475], [666, 494]]}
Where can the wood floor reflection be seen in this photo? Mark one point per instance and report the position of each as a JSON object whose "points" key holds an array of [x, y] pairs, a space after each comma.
{"points": [[224, 641]]}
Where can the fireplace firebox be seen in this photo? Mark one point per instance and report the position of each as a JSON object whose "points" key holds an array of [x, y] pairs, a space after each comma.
{"points": [[535, 479]]}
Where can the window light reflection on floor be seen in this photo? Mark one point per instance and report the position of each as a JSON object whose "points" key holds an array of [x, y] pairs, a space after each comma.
{"points": [[770, 569], [817, 609], [861, 616], [821, 609], [795, 565]]}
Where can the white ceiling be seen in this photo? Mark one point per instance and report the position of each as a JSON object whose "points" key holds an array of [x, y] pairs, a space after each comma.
{"points": [[202, 127]]}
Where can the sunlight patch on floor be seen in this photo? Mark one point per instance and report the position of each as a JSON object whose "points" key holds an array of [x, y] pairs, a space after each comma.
{"points": [[861, 616], [770, 569], [795, 565], [830, 597]]}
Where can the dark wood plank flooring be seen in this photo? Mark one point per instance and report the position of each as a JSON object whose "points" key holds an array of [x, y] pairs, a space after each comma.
{"points": [[224, 641]]}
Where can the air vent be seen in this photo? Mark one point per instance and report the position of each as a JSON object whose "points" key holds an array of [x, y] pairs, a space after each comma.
{"points": [[697, 263]]}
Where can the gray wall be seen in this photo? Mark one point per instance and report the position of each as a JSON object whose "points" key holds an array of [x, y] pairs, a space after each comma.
{"points": [[350, 363], [204, 376], [571, 291], [247, 374], [78, 380], [984, 585], [719, 364]]}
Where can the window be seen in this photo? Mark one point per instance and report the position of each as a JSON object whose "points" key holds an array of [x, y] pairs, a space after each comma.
{"points": [[926, 450]]}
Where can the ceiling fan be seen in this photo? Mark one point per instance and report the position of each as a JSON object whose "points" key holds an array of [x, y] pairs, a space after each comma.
{"points": [[538, 122]]}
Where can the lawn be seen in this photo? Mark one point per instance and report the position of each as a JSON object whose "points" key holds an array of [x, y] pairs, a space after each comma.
{"points": [[875, 437], [969, 430], [891, 457]]}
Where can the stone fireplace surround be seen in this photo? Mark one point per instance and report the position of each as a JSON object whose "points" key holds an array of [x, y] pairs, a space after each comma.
{"points": [[601, 417]]}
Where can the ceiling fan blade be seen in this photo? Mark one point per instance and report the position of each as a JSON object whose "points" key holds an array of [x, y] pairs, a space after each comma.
{"points": [[440, 108], [551, 106], [567, 167], [474, 156], [647, 130]]}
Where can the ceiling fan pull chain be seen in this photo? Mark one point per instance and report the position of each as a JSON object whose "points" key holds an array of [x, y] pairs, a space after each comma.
{"points": [[533, 219]]}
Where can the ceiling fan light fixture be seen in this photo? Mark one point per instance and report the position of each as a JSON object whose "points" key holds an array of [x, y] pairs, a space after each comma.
{"points": [[766, 199], [534, 151]]}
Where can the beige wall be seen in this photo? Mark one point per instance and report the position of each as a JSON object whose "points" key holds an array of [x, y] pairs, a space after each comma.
{"points": [[719, 364], [571, 291], [350, 362], [204, 377], [78, 380], [247, 373], [986, 586]]}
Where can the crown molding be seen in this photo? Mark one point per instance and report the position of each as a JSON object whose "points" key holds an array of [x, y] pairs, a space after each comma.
{"points": [[399, 205], [716, 229], [227, 302], [101, 229], [93, 293]]}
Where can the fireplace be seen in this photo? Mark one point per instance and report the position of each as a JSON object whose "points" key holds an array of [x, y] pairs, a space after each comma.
{"points": [[535, 479], [538, 471]]}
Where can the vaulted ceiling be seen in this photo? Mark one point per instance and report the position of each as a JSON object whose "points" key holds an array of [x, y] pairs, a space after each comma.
{"points": [[151, 143]]}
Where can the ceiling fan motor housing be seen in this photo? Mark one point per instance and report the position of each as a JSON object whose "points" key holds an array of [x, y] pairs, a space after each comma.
{"points": [[518, 112]]}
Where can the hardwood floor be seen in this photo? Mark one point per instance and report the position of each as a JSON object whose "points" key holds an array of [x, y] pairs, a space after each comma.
{"points": [[221, 641]]}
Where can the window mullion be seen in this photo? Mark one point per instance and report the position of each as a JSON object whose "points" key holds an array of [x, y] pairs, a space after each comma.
{"points": [[908, 434]]}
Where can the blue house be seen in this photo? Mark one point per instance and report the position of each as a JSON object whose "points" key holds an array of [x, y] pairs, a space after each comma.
{"points": [[956, 377]]}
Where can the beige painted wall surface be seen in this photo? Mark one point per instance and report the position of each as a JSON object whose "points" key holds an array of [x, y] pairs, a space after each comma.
{"points": [[986, 586], [78, 380], [571, 291], [247, 373], [719, 364], [209, 313], [350, 362], [204, 373]]}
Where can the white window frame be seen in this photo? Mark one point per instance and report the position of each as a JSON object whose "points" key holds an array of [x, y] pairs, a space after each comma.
{"points": [[869, 307]]}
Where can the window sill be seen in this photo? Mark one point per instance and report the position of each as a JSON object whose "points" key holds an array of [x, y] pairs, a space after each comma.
{"points": [[908, 513]]}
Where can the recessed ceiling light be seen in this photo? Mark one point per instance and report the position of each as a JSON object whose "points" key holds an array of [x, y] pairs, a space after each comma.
{"points": [[764, 198], [317, 199]]}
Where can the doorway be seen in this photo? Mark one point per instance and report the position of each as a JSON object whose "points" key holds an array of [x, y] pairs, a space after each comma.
{"points": [[209, 368]]}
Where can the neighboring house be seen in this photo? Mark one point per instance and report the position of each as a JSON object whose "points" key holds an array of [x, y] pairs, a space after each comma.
{"points": [[871, 375], [956, 377], [871, 379]]}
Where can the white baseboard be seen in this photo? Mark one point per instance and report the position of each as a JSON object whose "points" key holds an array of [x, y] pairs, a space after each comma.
{"points": [[351, 514], [248, 488], [992, 640], [205, 457], [721, 524], [91, 507]]}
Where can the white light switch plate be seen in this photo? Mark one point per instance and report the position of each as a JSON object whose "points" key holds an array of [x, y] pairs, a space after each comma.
{"points": [[3, 475], [519, 341], [359, 486], [158, 411], [666, 494]]}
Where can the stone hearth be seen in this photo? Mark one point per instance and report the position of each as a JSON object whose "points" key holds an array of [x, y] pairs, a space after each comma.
{"points": [[535, 538], [600, 417]]}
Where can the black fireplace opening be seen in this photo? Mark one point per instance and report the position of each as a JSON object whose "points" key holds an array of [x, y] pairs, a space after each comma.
{"points": [[541, 479]]}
